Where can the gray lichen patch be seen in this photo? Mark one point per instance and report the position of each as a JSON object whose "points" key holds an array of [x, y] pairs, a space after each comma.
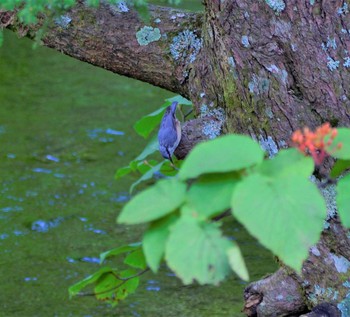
{"points": [[278, 73], [259, 85], [185, 46], [276, 5], [213, 128], [344, 305], [147, 35], [269, 113], [122, 6], [119, 7], [329, 194], [268, 145], [63, 21], [341, 264], [321, 294], [315, 251], [232, 67], [245, 41], [173, 17], [344, 10]]}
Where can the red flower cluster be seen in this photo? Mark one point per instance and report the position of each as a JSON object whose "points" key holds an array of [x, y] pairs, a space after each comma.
{"points": [[316, 143]]}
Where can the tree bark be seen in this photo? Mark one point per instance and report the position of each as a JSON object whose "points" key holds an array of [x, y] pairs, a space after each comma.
{"points": [[115, 38], [262, 68]]}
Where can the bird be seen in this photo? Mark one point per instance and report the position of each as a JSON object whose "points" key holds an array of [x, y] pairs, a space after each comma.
{"points": [[169, 134]]}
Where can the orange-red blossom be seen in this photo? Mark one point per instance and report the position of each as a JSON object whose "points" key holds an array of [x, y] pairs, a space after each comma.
{"points": [[316, 143]]}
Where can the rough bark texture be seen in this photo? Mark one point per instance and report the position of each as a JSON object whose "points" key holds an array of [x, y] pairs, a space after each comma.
{"points": [[263, 68], [269, 71]]}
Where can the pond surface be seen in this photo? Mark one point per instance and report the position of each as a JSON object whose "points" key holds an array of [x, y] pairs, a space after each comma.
{"points": [[65, 127]]}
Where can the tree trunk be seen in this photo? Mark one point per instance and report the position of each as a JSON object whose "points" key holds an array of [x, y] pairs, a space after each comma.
{"points": [[262, 68]]}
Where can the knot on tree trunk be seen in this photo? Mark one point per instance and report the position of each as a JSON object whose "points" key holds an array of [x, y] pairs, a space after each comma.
{"points": [[275, 295]]}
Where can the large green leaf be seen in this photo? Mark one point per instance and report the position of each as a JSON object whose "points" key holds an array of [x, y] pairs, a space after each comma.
{"points": [[154, 240], [197, 251], [288, 161], [342, 137], [285, 213], [237, 262], [212, 193], [155, 202], [116, 251], [343, 200], [224, 154]]}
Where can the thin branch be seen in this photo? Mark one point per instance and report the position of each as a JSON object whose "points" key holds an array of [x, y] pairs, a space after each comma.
{"points": [[124, 280]]}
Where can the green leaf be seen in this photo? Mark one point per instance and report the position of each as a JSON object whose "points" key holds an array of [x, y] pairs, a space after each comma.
{"points": [[130, 285], [288, 161], [119, 250], [237, 263], [149, 122], [136, 259], [339, 167], [212, 194], [155, 202], [106, 287], [343, 200], [77, 287], [286, 214], [168, 169], [150, 148], [197, 251], [342, 137], [112, 289], [154, 240], [224, 154], [144, 166], [122, 172], [145, 177], [181, 100]]}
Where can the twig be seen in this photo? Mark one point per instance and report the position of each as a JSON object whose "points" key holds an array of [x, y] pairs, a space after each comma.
{"points": [[124, 280]]}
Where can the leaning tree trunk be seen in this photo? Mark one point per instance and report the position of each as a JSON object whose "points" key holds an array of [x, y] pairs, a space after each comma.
{"points": [[262, 68]]}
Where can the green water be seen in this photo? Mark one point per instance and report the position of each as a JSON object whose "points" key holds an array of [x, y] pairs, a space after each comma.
{"points": [[65, 127]]}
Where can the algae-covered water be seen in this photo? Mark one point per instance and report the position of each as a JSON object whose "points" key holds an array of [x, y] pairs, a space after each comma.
{"points": [[65, 127]]}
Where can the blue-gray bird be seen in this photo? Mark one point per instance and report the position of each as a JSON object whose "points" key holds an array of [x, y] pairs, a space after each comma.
{"points": [[169, 134]]}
